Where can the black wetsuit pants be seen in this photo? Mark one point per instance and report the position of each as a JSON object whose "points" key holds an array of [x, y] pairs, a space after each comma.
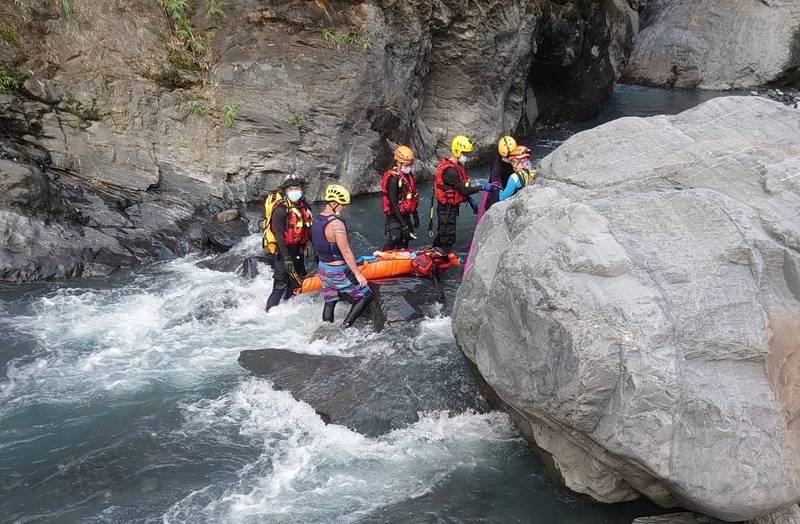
{"points": [[447, 217], [282, 284], [395, 238]]}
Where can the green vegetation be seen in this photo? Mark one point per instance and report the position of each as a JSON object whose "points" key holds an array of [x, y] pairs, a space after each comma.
{"points": [[336, 40], [66, 8], [7, 35], [229, 113], [215, 8], [293, 119], [8, 81], [195, 109], [191, 49]]}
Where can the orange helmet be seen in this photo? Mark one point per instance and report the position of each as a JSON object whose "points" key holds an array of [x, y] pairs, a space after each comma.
{"points": [[519, 153], [403, 155]]}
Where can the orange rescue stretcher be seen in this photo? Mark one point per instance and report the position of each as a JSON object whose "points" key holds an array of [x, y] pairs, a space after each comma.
{"points": [[389, 264]]}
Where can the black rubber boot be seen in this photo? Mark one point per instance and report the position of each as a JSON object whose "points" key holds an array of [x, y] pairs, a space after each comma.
{"points": [[327, 311], [356, 311], [275, 297]]}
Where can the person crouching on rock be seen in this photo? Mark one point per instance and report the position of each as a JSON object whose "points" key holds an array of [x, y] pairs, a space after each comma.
{"points": [[451, 188], [400, 200], [340, 276], [287, 230], [520, 158]]}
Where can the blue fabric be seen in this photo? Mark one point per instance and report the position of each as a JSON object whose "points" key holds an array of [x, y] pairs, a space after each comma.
{"points": [[513, 185], [327, 251]]}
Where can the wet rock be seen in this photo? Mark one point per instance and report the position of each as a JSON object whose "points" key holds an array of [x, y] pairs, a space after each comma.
{"points": [[251, 266], [222, 237], [716, 44], [638, 308], [248, 266], [403, 300], [677, 518], [370, 394], [227, 215]]}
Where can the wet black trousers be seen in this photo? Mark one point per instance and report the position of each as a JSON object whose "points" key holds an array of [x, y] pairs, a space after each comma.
{"points": [[446, 216], [395, 239], [282, 283]]}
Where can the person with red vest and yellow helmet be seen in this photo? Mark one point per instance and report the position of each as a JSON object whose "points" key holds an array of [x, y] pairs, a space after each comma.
{"points": [[451, 188], [400, 200], [287, 231]]}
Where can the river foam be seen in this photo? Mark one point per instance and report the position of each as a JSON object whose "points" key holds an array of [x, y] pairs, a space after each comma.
{"points": [[308, 471]]}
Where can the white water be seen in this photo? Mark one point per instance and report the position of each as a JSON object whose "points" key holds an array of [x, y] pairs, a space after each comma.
{"points": [[312, 472], [180, 328]]}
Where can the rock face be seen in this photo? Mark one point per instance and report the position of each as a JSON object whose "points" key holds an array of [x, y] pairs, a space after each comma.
{"points": [[152, 129], [638, 308], [716, 44]]}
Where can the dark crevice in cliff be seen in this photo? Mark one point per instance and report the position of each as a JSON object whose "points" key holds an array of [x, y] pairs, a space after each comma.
{"points": [[570, 75]]}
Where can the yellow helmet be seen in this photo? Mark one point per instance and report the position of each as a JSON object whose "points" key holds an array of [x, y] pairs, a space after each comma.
{"points": [[461, 144], [403, 155], [506, 145], [338, 194]]}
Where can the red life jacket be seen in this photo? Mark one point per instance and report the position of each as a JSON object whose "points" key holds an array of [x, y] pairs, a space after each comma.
{"points": [[407, 194], [449, 196], [298, 224]]}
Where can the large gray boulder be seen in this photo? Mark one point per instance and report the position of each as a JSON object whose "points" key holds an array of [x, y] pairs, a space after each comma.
{"points": [[716, 44], [638, 308]]}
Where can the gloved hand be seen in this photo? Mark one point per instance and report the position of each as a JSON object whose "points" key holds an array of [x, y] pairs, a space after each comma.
{"points": [[487, 186], [473, 205], [295, 279]]}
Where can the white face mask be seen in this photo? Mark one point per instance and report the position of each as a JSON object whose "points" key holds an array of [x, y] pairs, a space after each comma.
{"points": [[294, 195], [406, 169]]}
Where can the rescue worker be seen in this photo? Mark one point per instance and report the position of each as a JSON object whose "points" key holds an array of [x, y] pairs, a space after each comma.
{"points": [[520, 158], [451, 187], [501, 169], [340, 276], [287, 230], [400, 200]]}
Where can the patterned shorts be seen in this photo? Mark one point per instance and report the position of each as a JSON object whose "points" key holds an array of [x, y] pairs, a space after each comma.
{"points": [[338, 281]]}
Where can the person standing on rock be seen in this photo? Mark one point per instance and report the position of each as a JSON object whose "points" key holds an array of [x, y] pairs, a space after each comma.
{"points": [[400, 200], [520, 158], [500, 171], [287, 230], [340, 276], [451, 188]]}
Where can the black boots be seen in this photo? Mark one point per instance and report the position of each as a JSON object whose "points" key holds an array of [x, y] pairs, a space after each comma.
{"points": [[356, 310]]}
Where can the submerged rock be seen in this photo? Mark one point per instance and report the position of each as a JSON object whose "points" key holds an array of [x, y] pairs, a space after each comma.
{"points": [[716, 44], [370, 394], [403, 300], [638, 308]]}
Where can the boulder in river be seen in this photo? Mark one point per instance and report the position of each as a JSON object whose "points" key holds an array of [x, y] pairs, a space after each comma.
{"points": [[637, 309], [716, 44], [371, 394]]}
